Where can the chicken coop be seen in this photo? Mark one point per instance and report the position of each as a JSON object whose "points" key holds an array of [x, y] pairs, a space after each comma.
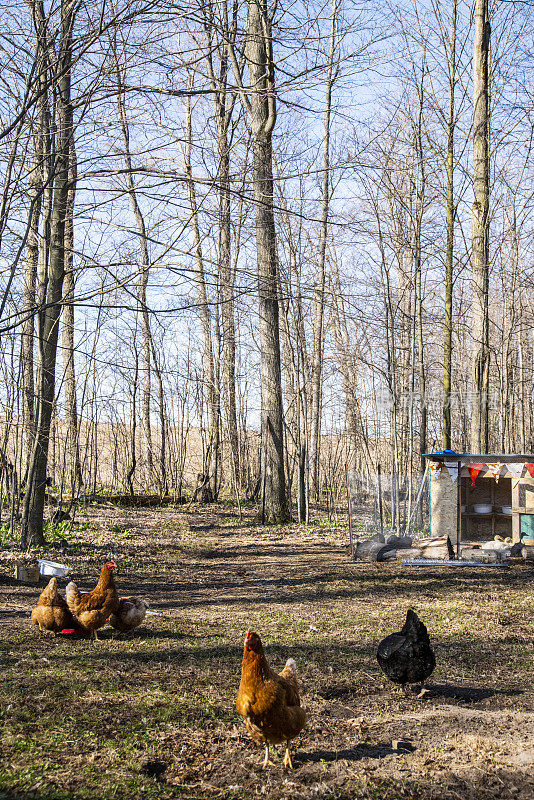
{"points": [[475, 498]]}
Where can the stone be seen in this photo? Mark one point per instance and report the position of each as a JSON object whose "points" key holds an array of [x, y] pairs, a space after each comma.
{"points": [[402, 746], [525, 757]]}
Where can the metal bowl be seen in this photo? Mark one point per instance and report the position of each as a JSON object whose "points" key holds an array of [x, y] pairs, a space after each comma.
{"points": [[482, 508]]}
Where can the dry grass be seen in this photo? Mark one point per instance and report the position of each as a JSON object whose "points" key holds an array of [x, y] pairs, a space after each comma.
{"points": [[152, 714]]}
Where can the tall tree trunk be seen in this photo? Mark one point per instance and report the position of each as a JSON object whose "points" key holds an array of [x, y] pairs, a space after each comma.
{"points": [[28, 300], [480, 236], [227, 282], [141, 287], [318, 295], [37, 188], [224, 107], [349, 374], [260, 63], [32, 521], [295, 357], [510, 317], [163, 481], [419, 211], [67, 336], [208, 360], [449, 257]]}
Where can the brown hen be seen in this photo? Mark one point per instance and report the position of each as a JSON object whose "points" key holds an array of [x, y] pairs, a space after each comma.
{"points": [[93, 609], [52, 612], [129, 614], [269, 703]]}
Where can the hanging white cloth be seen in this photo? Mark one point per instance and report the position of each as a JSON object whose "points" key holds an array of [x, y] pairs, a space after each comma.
{"points": [[452, 469]]}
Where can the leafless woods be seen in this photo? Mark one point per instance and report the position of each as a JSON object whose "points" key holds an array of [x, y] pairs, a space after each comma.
{"points": [[245, 244]]}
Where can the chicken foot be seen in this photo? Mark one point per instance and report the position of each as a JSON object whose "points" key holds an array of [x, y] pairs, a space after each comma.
{"points": [[267, 760], [288, 764]]}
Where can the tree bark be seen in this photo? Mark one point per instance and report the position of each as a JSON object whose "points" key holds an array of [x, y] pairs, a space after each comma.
{"points": [[480, 235], [141, 286], [449, 256], [318, 295], [224, 107], [32, 521], [67, 336], [260, 63], [37, 188], [208, 360], [418, 227]]}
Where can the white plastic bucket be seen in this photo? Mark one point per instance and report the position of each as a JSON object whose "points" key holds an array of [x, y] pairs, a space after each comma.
{"points": [[52, 569]]}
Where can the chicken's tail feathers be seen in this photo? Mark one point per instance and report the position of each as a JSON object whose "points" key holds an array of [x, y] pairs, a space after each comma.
{"points": [[290, 670], [49, 591], [73, 596], [413, 626]]}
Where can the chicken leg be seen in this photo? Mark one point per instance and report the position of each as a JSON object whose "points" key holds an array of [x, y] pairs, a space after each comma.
{"points": [[288, 764], [267, 760]]}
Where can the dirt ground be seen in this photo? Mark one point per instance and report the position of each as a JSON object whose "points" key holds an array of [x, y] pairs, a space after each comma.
{"points": [[152, 713]]}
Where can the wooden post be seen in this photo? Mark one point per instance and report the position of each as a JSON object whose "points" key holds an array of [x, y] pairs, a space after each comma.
{"points": [[458, 511], [379, 473], [516, 526], [351, 542]]}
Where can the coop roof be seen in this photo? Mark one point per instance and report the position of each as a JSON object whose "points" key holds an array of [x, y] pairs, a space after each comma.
{"points": [[465, 458]]}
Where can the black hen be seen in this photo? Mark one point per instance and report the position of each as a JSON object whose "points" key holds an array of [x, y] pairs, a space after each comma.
{"points": [[406, 657]]}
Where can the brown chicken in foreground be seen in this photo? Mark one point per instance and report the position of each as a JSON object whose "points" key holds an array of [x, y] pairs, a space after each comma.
{"points": [[52, 612], [129, 614], [93, 609], [269, 703]]}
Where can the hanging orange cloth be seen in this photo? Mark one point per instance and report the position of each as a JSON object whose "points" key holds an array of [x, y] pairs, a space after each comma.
{"points": [[530, 468], [435, 468], [474, 470]]}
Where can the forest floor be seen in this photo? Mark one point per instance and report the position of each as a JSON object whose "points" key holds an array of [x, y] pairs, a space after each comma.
{"points": [[151, 714]]}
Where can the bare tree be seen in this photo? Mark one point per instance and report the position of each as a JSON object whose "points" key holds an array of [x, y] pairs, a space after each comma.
{"points": [[67, 335], [449, 262], [260, 103], [480, 238], [146, 366], [32, 525], [211, 465], [332, 71]]}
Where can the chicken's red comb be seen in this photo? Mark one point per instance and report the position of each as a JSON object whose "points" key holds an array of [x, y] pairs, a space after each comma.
{"points": [[247, 637]]}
